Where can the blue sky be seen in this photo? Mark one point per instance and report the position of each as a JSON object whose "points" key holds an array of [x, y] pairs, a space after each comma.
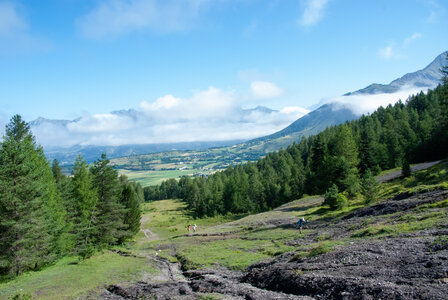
{"points": [[64, 59]]}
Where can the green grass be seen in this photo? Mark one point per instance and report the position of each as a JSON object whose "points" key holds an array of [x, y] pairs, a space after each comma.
{"points": [[155, 177], [317, 249], [170, 218], [324, 212], [277, 234], [71, 279], [232, 253], [407, 223], [433, 178]]}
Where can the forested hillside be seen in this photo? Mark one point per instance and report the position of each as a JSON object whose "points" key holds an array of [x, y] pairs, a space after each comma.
{"points": [[45, 215], [340, 160]]}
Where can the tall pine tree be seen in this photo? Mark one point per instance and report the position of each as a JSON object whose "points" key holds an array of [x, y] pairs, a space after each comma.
{"points": [[31, 212], [109, 222], [84, 213]]}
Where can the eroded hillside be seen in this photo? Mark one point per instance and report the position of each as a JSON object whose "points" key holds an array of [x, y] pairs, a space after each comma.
{"points": [[396, 247]]}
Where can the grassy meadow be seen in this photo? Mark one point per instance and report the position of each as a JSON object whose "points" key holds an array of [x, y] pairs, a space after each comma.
{"points": [[70, 278]]}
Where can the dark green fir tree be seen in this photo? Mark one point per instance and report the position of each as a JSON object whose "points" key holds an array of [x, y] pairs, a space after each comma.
{"points": [[31, 212], [109, 221]]}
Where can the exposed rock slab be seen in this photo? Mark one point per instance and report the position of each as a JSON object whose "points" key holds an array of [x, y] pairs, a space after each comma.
{"points": [[378, 269]]}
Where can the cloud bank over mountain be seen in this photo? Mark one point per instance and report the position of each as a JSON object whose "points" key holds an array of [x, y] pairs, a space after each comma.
{"points": [[210, 115], [368, 103], [218, 115]]}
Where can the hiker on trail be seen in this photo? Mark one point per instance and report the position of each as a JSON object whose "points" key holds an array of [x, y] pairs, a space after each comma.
{"points": [[301, 222], [189, 228], [194, 227]]}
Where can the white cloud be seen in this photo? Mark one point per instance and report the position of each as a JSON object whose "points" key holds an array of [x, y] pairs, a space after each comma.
{"points": [[313, 12], [366, 103], [166, 102], [265, 89], [209, 115], [99, 123], [412, 38], [387, 52], [298, 111], [112, 18]]}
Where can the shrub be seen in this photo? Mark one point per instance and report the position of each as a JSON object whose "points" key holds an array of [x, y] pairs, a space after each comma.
{"points": [[22, 296], [331, 196], [369, 187], [334, 199], [406, 168]]}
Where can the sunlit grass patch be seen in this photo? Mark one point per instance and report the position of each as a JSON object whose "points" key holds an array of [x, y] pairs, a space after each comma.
{"points": [[170, 218], [439, 204], [325, 212], [407, 223], [317, 249], [70, 278], [433, 178], [278, 234], [231, 253]]}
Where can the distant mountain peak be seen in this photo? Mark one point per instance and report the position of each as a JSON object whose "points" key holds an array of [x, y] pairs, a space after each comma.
{"points": [[262, 109], [337, 112], [41, 121], [428, 77]]}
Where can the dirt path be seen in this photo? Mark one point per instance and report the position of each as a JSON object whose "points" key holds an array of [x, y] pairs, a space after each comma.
{"points": [[414, 168], [173, 283], [148, 233]]}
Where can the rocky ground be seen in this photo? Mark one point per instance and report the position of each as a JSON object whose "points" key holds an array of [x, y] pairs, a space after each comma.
{"points": [[411, 265], [401, 268]]}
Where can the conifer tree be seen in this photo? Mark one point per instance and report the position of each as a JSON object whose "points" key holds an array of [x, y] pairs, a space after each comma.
{"points": [[31, 213], [57, 171], [109, 222], [331, 197], [369, 187], [84, 214], [318, 178], [63, 184], [406, 168], [131, 203], [444, 109], [345, 159]]}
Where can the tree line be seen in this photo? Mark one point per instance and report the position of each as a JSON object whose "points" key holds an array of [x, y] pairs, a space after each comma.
{"points": [[339, 159], [45, 215]]}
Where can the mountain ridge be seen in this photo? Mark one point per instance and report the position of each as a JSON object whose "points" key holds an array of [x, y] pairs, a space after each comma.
{"points": [[427, 77]]}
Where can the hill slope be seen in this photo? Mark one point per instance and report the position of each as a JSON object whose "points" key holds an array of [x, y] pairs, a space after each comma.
{"points": [[313, 123], [396, 247]]}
